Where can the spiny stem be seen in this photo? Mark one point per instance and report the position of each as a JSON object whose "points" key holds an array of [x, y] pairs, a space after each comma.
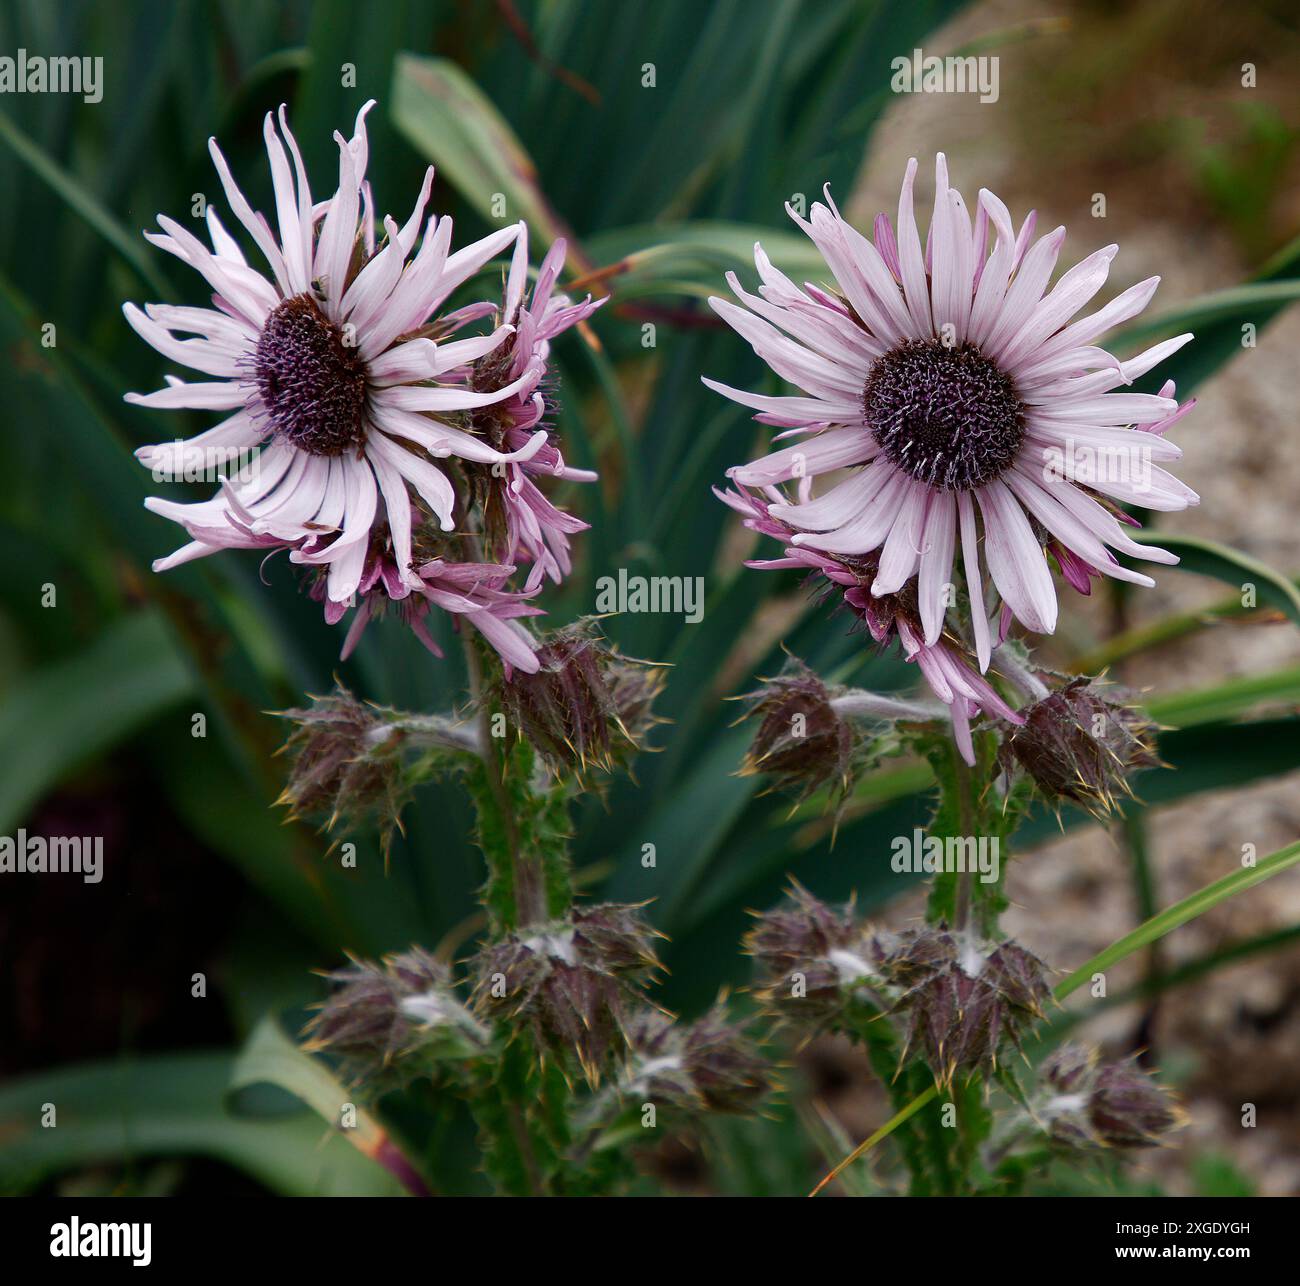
{"points": [[526, 887], [966, 812], [524, 1141]]}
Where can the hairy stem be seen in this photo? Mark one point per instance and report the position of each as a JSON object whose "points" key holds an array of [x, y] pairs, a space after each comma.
{"points": [[966, 813], [526, 879]]}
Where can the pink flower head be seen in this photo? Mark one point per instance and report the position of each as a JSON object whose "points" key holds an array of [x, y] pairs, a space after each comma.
{"points": [[520, 524], [966, 406], [343, 386]]}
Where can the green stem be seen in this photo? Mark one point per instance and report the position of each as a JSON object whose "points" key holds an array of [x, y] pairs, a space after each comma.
{"points": [[966, 820], [925, 1145], [524, 878]]}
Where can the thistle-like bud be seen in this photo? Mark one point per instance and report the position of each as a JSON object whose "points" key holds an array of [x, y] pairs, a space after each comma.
{"points": [[801, 740], [573, 981], [391, 1021], [810, 957], [1080, 744], [963, 998], [356, 763], [709, 1065], [586, 704], [1088, 1104]]}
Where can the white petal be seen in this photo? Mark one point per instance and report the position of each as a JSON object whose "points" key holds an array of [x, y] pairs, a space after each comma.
{"points": [[933, 580], [974, 581], [834, 449], [1016, 560], [902, 550]]}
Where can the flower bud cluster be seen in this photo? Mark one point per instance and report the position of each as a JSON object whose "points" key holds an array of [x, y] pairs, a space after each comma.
{"points": [[355, 763], [1086, 1104], [1081, 743], [392, 1021], [585, 705], [958, 999], [709, 1065], [573, 982]]}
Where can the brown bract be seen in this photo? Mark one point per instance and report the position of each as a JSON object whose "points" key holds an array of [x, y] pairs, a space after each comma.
{"points": [[1080, 744]]}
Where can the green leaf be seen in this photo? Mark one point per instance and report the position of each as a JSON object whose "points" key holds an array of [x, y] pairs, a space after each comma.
{"points": [[1153, 634], [270, 1062], [86, 205], [1179, 914], [1187, 972], [119, 1113], [1247, 302], [1218, 321], [1230, 700], [72, 710], [448, 119], [690, 258], [1209, 558], [273, 1073]]}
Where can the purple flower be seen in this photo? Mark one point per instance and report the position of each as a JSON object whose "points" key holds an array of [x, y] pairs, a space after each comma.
{"points": [[520, 524], [347, 390], [967, 407]]}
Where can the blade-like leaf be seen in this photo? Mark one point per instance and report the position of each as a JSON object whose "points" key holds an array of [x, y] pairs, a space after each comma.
{"points": [[271, 1060], [1209, 558], [71, 711], [86, 205], [448, 119], [122, 1111]]}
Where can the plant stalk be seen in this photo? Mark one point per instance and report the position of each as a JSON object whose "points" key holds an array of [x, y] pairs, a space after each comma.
{"points": [[527, 883]]}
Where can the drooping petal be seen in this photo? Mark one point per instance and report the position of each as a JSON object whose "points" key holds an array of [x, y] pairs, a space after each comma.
{"points": [[1016, 560]]}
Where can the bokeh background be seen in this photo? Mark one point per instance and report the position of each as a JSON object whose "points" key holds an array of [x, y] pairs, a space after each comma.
{"points": [[549, 105]]}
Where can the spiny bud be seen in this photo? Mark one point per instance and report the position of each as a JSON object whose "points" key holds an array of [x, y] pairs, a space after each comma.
{"points": [[587, 704], [810, 957], [709, 1065], [572, 981], [963, 998], [394, 1020], [1088, 1104], [355, 763], [801, 740], [1079, 744]]}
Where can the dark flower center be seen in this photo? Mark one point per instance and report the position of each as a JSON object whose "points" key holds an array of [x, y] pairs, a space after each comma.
{"points": [[946, 416], [312, 381]]}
